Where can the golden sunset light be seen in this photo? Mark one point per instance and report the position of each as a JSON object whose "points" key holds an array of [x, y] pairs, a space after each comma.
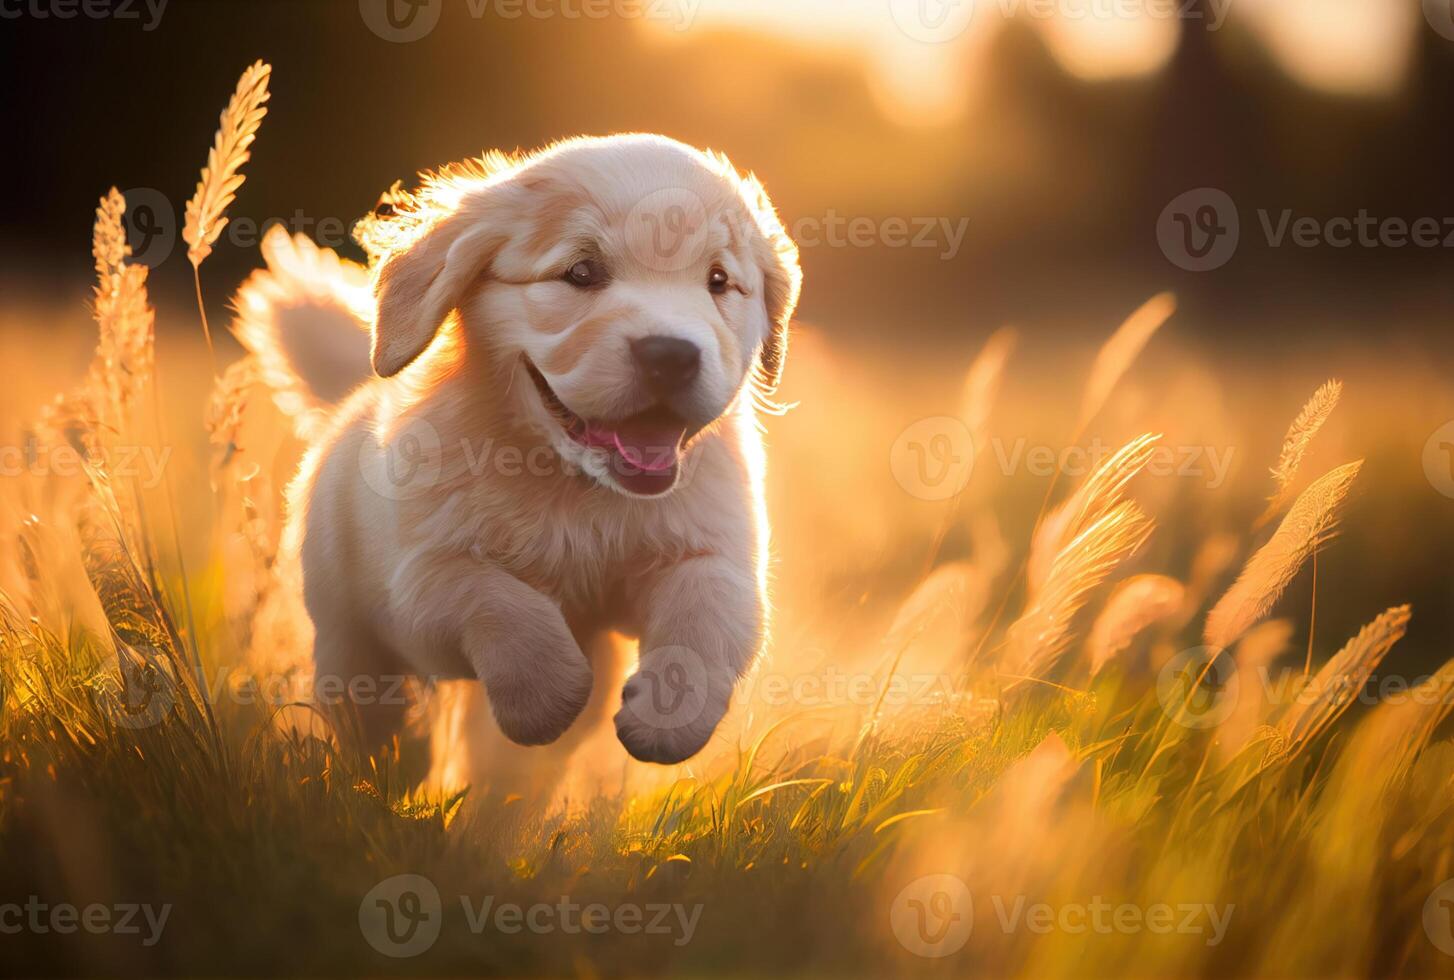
{"points": [[727, 489]]}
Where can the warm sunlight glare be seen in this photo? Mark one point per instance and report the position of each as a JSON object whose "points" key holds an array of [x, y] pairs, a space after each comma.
{"points": [[922, 58], [916, 80], [1103, 47], [1351, 47]]}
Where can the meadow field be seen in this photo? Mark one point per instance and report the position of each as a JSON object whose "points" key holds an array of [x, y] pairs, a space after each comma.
{"points": [[1110, 658]]}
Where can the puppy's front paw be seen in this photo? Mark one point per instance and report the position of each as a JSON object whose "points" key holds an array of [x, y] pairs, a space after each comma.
{"points": [[670, 707], [536, 707]]}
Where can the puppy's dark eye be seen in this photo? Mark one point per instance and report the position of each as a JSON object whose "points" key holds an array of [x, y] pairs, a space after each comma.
{"points": [[718, 281], [585, 273]]}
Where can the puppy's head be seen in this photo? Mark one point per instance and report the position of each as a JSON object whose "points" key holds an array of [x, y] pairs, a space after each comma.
{"points": [[631, 287]]}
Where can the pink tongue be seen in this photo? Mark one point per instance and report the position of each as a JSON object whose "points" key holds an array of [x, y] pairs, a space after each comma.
{"points": [[652, 454], [647, 447]]}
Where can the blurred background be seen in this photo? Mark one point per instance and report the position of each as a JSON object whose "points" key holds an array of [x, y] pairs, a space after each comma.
{"points": [[950, 168], [1058, 133]]}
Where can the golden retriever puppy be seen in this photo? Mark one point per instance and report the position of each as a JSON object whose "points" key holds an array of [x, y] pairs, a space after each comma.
{"points": [[559, 438]]}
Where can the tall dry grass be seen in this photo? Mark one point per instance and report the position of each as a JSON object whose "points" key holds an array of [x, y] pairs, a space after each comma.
{"points": [[1308, 526], [206, 212], [1295, 444], [1074, 551]]}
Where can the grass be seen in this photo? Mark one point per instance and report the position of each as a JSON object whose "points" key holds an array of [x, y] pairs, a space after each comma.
{"points": [[817, 842]]}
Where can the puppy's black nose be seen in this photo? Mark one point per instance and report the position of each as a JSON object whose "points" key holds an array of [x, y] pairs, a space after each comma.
{"points": [[667, 364]]}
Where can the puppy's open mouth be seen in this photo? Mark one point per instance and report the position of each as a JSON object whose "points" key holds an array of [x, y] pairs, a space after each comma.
{"points": [[645, 449]]}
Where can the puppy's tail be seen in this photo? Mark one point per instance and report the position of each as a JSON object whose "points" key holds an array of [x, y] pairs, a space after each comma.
{"points": [[306, 317]]}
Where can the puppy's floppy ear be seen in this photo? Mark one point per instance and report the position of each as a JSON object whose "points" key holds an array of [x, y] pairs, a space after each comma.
{"points": [[419, 286], [777, 255], [784, 282]]}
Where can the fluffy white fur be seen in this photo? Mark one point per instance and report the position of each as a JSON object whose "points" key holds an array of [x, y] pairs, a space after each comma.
{"points": [[446, 523]]}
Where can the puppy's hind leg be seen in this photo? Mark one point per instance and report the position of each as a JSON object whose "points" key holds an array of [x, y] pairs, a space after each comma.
{"points": [[359, 683]]}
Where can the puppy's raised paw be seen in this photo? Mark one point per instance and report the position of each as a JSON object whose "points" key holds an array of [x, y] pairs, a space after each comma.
{"points": [[670, 707], [537, 708]]}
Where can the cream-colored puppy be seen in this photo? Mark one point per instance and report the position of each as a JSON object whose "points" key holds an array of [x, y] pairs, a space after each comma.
{"points": [[559, 439]]}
